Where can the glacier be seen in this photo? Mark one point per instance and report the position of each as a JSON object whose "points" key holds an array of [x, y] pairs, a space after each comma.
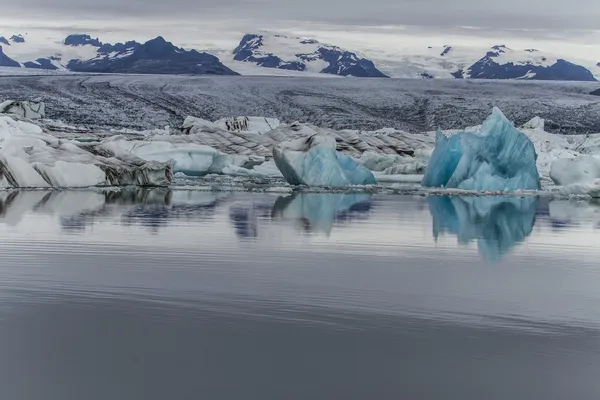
{"points": [[314, 161], [496, 157]]}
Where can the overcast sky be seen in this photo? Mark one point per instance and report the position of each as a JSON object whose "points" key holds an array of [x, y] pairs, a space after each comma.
{"points": [[211, 22]]}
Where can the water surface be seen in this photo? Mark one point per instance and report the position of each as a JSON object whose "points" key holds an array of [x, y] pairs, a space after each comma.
{"points": [[154, 294]]}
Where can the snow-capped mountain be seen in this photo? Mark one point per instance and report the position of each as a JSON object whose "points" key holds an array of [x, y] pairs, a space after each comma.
{"points": [[496, 62], [82, 53], [298, 54], [272, 54]]}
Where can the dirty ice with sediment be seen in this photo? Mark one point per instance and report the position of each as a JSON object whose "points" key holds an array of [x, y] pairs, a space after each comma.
{"points": [[264, 153]]}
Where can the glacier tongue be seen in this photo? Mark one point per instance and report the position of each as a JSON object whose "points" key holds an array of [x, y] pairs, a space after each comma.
{"points": [[314, 161], [497, 157]]}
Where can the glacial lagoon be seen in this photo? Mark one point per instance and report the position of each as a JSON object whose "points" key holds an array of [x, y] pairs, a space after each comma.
{"points": [[183, 294]]}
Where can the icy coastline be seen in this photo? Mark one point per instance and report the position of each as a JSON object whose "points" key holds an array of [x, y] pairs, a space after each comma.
{"points": [[40, 153]]}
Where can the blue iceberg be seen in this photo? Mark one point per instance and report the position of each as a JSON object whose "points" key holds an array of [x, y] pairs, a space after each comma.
{"points": [[498, 157], [313, 161]]}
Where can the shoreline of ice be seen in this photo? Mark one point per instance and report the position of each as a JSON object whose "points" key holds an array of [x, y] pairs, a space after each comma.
{"points": [[46, 154]]}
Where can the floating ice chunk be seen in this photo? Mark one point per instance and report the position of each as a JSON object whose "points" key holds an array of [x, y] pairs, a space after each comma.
{"points": [[577, 176], [188, 158], [248, 124], [313, 161], [591, 188], [581, 169], [31, 159], [190, 121], [497, 157], [24, 109], [391, 164], [536, 123]]}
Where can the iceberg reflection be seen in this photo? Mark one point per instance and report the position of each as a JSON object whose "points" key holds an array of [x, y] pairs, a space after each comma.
{"points": [[497, 223], [317, 212]]}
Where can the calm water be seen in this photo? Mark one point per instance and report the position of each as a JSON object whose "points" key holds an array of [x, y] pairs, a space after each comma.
{"points": [[198, 295]]}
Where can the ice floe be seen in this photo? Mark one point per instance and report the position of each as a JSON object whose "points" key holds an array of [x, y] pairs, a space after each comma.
{"points": [[491, 158], [497, 157], [314, 161]]}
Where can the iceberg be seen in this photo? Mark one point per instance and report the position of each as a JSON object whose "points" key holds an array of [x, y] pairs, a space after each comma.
{"points": [[248, 124], [314, 161], [188, 158], [29, 158], [497, 157], [583, 169], [24, 109], [577, 176], [393, 164]]}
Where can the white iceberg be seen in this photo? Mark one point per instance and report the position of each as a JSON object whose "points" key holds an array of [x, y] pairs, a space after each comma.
{"points": [[577, 176], [497, 157], [583, 169], [188, 158], [314, 161], [29, 158], [392, 164], [248, 124], [24, 109]]}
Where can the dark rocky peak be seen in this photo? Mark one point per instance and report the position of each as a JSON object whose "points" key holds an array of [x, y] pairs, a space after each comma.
{"points": [[309, 41], [107, 48], [158, 48], [598, 65], [6, 61], [4, 41], [447, 49], [82, 40], [249, 42], [17, 38], [500, 48], [531, 50]]}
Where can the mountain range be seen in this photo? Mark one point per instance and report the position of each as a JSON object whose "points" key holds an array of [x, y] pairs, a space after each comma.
{"points": [[272, 54]]}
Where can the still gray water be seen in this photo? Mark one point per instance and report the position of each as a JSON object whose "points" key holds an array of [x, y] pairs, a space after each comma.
{"points": [[157, 294]]}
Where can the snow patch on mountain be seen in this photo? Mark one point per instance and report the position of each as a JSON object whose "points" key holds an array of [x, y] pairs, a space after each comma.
{"points": [[301, 54], [82, 53], [495, 62]]}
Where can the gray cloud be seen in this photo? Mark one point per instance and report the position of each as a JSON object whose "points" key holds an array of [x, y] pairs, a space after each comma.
{"points": [[532, 14]]}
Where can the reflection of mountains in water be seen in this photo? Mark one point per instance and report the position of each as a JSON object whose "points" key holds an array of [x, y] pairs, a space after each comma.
{"points": [[318, 212], [496, 223]]}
